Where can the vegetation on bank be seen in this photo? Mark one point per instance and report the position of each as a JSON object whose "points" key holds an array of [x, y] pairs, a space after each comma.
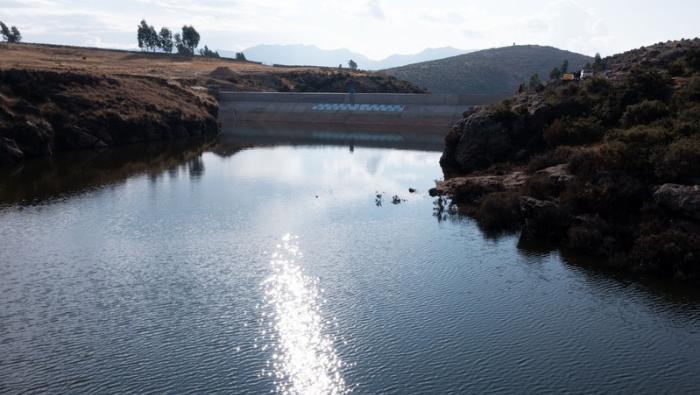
{"points": [[611, 164]]}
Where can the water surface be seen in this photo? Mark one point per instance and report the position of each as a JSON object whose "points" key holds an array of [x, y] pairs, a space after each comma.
{"points": [[257, 265]]}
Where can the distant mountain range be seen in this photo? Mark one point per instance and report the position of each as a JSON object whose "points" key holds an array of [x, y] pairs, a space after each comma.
{"points": [[495, 72], [311, 55]]}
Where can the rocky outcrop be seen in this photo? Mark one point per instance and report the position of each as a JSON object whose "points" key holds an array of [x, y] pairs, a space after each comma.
{"points": [[680, 199], [471, 188], [495, 134], [42, 112]]}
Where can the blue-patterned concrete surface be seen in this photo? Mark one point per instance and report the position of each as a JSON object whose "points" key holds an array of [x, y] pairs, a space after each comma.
{"points": [[359, 107]]}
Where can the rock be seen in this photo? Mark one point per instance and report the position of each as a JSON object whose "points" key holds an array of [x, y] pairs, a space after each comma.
{"points": [[396, 200], [9, 151], [481, 139], [558, 174], [681, 199], [412, 190], [471, 188]]}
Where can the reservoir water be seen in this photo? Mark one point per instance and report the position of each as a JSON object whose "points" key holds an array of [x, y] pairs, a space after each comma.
{"points": [[276, 261]]}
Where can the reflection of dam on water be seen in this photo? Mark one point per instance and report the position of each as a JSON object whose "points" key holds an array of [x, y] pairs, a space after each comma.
{"points": [[396, 109], [371, 136]]}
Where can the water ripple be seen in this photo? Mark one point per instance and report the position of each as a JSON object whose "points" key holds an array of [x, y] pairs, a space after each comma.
{"points": [[304, 360]]}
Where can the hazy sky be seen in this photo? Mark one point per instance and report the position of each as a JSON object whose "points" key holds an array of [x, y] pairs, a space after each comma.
{"points": [[376, 28]]}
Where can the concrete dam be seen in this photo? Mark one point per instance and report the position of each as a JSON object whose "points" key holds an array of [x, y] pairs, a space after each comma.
{"points": [[395, 109]]}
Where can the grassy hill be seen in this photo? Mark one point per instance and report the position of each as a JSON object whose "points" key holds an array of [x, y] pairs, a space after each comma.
{"points": [[494, 72], [608, 166]]}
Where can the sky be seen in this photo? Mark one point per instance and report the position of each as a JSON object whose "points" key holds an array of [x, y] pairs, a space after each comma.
{"points": [[375, 28]]}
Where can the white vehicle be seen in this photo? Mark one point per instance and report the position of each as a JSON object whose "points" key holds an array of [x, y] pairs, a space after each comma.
{"points": [[586, 74]]}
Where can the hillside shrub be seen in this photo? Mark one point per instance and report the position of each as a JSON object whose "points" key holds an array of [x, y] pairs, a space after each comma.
{"points": [[644, 113], [641, 84], [689, 92], [681, 160], [573, 131]]}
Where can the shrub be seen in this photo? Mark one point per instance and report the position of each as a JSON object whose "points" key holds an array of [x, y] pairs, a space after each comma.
{"points": [[645, 112], [585, 163], [641, 84], [681, 159], [690, 92], [546, 223], [610, 195], [573, 131], [677, 68], [550, 158], [597, 86], [672, 253], [589, 235], [499, 212], [543, 187]]}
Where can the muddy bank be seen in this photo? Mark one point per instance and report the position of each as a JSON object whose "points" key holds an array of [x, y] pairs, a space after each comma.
{"points": [[43, 111]]}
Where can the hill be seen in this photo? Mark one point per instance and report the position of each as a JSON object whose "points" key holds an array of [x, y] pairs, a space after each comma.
{"points": [[607, 167], [56, 98], [493, 72], [312, 55]]}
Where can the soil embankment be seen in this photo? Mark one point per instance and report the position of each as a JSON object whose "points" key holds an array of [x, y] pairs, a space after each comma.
{"points": [[55, 98]]}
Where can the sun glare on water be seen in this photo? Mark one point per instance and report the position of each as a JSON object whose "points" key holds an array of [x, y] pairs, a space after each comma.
{"points": [[303, 359]]}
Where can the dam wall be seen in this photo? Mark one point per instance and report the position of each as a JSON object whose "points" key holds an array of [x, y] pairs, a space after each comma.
{"points": [[415, 110]]}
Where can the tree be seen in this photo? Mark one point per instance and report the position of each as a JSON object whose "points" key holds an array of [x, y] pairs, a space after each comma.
{"points": [[166, 40], [240, 56], [565, 67], [208, 53], [16, 35], [555, 74], [352, 64], [190, 38], [598, 63], [11, 35], [535, 83], [181, 48], [147, 37]]}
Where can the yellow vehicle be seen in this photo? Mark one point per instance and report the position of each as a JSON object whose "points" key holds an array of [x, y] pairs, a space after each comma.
{"points": [[568, 77]]}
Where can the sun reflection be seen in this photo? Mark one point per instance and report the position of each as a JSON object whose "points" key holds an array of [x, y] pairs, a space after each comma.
{"points": [[303, 359]]}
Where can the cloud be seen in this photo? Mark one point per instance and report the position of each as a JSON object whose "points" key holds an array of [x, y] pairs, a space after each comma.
{"points": [[374, 9]]}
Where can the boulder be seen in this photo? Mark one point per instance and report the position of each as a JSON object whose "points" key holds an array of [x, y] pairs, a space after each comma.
{"points": [[680, 199], [9, 151], [481, 139], [558, 174]]}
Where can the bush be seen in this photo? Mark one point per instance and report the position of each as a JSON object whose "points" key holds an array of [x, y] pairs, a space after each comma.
{"points": [[499, 212], [589, 163], [573, 131], [672, 253], [681, 159], [543, 187], [550, 158], [644, 113], [677, 68], [643, 84], [589, 235], [610, 195], [690, 92]]}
